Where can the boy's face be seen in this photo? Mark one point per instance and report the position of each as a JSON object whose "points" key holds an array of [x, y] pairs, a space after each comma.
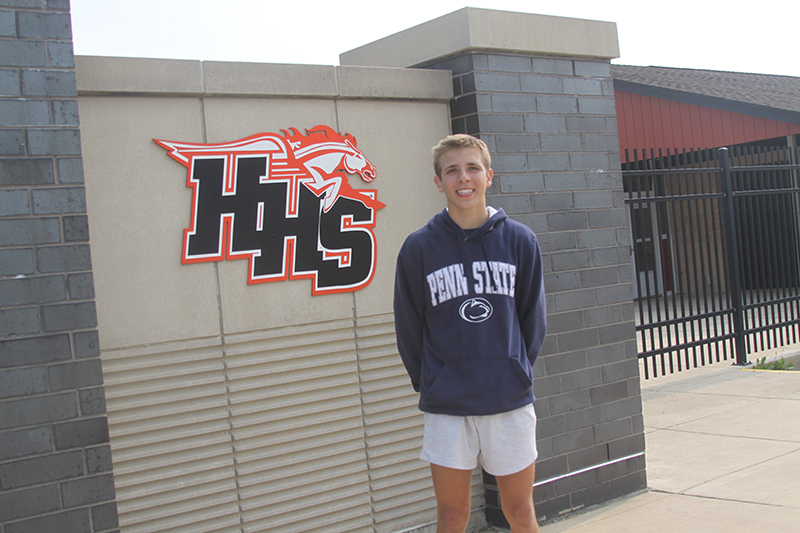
{"points": [[464, 180]]}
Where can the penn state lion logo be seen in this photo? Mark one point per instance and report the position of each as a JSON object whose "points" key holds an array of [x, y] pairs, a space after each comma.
{"points": [[475, 310], [284, 202]]}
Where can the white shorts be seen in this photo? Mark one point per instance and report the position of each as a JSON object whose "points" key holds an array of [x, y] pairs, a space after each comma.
{"points": [[504, 443]]}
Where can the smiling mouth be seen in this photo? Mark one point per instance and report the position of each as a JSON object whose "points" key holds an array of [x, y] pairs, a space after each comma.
{"points": [[465, 192]]}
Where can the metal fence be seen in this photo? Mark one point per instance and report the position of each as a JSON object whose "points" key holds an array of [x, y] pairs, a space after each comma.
{"points": [[715, 253]]}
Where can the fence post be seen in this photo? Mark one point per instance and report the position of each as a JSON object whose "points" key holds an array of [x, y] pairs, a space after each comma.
{"points": [[734, 283]]}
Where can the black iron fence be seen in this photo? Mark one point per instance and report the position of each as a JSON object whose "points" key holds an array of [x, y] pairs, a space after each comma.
{"points": [[715, 253]]}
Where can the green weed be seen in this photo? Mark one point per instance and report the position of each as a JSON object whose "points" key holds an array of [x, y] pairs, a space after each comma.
{"points": [[778, 364]]}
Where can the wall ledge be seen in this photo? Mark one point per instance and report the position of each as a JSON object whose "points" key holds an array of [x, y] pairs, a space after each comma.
{"points": [[119, 76]]}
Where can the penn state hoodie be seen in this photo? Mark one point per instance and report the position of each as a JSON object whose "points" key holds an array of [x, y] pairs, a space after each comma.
{"points": [[470, 314]]}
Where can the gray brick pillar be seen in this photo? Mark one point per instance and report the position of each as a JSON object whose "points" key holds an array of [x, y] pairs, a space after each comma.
{"points": [[55, 459], [550, 124]]}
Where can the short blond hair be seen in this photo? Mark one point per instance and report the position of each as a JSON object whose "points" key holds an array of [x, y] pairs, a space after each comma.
{"points": [[459, 140]]}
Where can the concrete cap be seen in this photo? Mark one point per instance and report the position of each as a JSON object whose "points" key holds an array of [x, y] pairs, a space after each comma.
{"points": [[152, 77], [108, 75], [486, 30]]}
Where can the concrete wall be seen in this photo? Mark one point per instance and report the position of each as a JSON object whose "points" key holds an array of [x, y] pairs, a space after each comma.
{"points": [[55, 463], [540, 93], [253, 406]]}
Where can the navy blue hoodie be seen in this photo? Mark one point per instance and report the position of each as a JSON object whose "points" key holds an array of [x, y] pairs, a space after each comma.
{"points": [[470, 314]]}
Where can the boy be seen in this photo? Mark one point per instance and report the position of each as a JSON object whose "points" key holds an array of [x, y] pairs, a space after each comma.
{"points": [[470, 320]]}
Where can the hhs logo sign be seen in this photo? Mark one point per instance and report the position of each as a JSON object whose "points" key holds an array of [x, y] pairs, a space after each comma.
{"points": [[283, 202]]}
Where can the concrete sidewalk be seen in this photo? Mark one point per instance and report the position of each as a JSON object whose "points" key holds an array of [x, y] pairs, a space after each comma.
{"points": [[723, 455]]}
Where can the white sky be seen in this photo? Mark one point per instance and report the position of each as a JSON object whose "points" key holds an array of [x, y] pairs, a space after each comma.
{"points": [[705, 34]]}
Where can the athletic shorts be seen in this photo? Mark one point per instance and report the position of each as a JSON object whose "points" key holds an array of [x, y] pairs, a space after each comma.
{"points": [[504, 443]]}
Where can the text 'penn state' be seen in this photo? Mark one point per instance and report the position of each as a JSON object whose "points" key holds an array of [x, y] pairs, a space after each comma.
{"points": [[489, 277]]}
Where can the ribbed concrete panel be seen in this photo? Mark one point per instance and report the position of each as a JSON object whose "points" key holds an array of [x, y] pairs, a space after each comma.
{"points": [[170, 438], [298, 432], [401, 487]]}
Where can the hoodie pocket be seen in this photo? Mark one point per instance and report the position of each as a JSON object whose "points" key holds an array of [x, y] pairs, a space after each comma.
{"points": [[482, 382]]}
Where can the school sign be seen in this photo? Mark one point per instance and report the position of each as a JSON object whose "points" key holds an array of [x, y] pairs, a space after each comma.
{"points": [[284, 202]]}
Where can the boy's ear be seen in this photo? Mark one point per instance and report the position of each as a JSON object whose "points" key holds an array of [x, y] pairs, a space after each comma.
{"points": [[489, 176], [438, 183]]}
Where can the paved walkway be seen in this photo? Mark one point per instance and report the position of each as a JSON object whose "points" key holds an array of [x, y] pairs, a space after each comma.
{"points": [[723, 455]]}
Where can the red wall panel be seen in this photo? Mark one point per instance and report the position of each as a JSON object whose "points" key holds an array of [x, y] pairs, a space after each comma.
{"points": [[646, 122]]}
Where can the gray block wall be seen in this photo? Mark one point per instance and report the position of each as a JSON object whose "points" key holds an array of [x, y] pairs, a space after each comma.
{"points": [[550, 124], [55, 460]]}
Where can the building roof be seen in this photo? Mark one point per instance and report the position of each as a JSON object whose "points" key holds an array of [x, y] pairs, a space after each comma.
{"points": [[766, 95]]}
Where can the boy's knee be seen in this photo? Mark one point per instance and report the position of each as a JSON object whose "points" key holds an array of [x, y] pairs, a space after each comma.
{"points": [[523, 514], [453, 519]]}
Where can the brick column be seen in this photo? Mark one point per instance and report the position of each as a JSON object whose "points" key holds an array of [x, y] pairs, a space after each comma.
{"points": [[55, 460], [550, 124]]}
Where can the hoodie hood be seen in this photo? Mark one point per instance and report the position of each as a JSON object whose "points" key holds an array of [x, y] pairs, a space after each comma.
{"points": [[445, 227]]}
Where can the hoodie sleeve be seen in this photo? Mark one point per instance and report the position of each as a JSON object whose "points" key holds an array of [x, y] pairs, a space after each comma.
{"points": [[409, 293], [531, 306]]}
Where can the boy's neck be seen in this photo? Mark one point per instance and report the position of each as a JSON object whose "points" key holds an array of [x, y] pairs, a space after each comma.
{"points": [[469, 220]]}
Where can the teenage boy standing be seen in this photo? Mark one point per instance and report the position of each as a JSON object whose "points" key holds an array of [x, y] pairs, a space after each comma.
{"points": [[470, 320]]}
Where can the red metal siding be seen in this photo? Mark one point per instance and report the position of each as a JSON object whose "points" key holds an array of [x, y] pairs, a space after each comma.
{"points": [[646, 122]]}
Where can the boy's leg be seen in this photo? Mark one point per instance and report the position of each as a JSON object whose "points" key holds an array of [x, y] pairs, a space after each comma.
{"points": [[516, 499], [453, 498]]}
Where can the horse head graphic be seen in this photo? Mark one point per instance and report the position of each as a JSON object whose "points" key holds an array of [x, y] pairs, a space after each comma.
{"points": [[328, 157]]}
